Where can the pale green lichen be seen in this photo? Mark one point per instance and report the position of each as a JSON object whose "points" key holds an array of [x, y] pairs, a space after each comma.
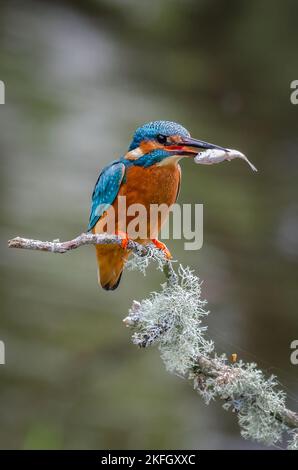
{"points": [[172, 318], [141, 263], [293, 442], [253, 397]]}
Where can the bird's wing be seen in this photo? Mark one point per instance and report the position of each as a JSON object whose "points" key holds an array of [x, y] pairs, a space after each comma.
{"points": [[106, 190]]}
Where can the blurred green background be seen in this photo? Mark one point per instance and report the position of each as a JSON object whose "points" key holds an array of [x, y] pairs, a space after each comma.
{"points": [[80, 77]]}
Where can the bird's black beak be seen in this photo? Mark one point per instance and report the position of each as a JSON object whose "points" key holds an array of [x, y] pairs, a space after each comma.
{"points": [[194, 146]]}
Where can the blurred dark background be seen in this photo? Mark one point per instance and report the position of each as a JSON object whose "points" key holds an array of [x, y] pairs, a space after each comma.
{"points": [[80, 77]]}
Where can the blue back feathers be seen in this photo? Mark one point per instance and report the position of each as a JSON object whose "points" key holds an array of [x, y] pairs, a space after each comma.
{"points": [[106, 190]]}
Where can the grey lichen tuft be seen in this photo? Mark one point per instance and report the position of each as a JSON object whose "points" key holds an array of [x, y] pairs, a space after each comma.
{"points": [[293, 441], [141, 263], [245, 390], [173, 319]]}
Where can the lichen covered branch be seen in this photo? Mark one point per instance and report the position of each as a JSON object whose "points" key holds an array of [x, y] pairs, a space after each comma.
{"points": [[173, 319], [56, 246], [146, 253]]}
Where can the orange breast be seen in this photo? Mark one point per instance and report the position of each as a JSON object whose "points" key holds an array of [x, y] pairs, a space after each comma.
{"points": [[154, 185]]}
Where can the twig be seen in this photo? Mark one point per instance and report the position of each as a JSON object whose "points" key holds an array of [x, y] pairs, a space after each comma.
{"points": [[208, 367], [56, 246]]}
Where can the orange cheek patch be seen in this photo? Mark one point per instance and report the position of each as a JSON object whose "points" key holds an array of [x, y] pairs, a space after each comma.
{"points": [[147, 146], [176, 139]]}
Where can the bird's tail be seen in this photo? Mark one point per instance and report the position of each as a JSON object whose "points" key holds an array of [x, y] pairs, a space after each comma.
{"points": [[110, 260]]}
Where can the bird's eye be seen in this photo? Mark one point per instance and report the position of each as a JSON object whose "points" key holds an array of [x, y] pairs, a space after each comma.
{"points": [[162, 139]]}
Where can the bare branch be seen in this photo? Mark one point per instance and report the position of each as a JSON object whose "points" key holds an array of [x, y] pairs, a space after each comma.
{"points": [[84, 239], [56, 246]]}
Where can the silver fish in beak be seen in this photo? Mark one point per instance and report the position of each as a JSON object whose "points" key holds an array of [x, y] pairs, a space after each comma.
{"points": [[212, 156]]}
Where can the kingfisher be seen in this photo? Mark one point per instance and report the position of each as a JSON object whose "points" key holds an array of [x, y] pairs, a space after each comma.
{"points": [[148, 173]]}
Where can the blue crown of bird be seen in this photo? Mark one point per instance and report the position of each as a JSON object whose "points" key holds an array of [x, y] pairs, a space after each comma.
{"points": [[149, 173]]}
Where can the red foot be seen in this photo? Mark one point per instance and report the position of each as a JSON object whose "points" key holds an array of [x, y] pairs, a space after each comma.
{"points": [[125, 239], [161, 246]]}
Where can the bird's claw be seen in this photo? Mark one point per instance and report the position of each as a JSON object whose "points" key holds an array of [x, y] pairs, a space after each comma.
{"points": [[124, 239], [161, 246]]}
